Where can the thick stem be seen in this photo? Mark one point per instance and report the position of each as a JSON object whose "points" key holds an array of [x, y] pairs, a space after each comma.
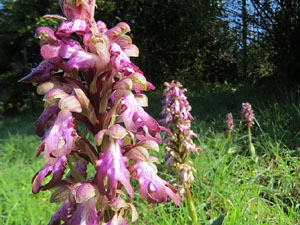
{"points": [[229, 141], [249, 133], [192, 208], [251, 147]]}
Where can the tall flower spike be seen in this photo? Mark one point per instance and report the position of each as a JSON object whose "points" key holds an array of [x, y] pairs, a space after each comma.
{"points": [[177, 117], [91, 81]]}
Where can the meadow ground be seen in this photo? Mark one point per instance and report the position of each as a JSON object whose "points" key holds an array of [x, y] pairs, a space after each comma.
{"points": [[229, 185]]}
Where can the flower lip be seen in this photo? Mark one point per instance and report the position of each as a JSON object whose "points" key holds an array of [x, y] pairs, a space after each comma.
{"points": [[152, 187]]}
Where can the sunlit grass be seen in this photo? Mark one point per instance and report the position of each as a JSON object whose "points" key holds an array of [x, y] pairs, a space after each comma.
{"points": [[228, 183], [18, 165]]}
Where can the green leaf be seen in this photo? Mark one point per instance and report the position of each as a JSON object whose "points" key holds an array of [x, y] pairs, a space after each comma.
{"points": [[60, 194], [218, 221]]}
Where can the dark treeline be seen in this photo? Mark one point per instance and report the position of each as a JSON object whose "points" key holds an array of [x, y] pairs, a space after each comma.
{"points": [[193, 41]]}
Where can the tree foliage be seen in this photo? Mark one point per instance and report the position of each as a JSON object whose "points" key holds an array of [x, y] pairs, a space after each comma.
{"points": [[192, 41], [279, 25], [186, 40], [19, 48]]}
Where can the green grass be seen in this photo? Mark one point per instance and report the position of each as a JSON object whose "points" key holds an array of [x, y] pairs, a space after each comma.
{"points": [[228, 183], [17, 167]]}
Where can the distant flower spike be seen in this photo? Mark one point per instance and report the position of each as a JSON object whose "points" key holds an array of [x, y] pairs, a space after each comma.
{"points": [[248, 117], [177, 117], [248, 114], [229, 122], [91, 80], [179, 144]]}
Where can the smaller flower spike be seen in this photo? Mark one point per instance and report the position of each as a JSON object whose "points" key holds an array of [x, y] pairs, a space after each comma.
{"points": [[248, 114], [248, 117], [177, 117], [229, 122]]}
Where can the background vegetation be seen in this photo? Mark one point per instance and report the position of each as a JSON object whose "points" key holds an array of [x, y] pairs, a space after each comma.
{"points": [[194, 41], [230, 186]]}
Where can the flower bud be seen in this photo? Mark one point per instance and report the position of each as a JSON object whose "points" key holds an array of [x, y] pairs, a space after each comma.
{"points": [[78, 9]]}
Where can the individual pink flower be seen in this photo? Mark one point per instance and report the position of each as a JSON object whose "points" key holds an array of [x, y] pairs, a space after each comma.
{"points": [[111, 165], [57, 169], [119, 207], [138, 121], [43, 71], [60, 139], [77, 26], [81, 204], [152, 187], [79, 9]]}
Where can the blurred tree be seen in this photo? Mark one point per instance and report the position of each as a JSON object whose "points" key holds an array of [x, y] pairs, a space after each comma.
{"points": [[193, 41], [18, 47], [279, 25], [244, 36], [184, 40]]}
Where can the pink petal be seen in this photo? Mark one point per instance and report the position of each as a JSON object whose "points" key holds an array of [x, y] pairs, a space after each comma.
{"points": [[85, 213], [77, 25], [112, 165], [57, 169], [82, 60], [60, 139], [152, 187], [138, 121], [46, 35], [43, 71]]}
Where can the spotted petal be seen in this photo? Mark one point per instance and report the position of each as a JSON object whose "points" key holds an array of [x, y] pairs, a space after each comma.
{"points": [[60, 139], [112, 165], [152, 187], [138, 121]]}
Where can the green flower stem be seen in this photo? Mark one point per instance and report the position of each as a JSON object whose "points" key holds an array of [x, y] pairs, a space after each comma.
{"points": [[229, 136], [251, 147], [229, 141], [191, 205], [249, 134], [77, 176]]}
